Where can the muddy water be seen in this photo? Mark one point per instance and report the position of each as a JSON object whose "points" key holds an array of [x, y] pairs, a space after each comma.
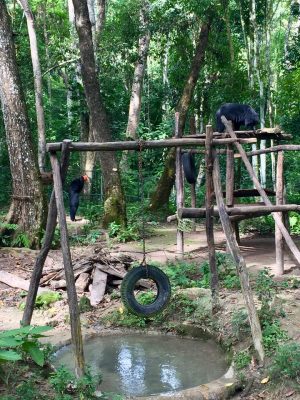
{"points": [[139, 365]]}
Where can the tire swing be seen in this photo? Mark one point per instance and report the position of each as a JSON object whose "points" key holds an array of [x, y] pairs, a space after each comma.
{"points": [[145, 271]]}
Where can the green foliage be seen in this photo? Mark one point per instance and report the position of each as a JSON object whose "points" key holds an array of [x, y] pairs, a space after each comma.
{"points": [[66, 385], [147, 297], [240, 323], [261, 225], [273, 336], [84, 304], [45, 299], [286, 362], [294, 219], [241, 359], [25, 343], [124, 234], [226, 272], [266, 288], [181, 273]]}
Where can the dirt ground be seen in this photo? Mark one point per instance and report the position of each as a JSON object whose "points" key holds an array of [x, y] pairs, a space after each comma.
{"points": [[259, 252]]}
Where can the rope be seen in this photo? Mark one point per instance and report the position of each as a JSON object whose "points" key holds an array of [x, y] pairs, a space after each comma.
{"points": [[141, 179]]}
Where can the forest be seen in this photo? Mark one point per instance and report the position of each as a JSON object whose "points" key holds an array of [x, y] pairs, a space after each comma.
{"points": [[122, 74], [131, 74]]}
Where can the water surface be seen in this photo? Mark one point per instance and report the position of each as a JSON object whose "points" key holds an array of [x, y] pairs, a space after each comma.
{"points": [[142, 365]]}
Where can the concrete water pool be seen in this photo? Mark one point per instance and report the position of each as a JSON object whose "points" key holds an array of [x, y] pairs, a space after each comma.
{"points": [[144, 365]]}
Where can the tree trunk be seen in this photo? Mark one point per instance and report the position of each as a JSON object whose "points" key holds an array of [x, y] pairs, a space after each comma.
{"points": [[114, 205], [161, 196], [139, 72], [28, 207], [37, 75]]}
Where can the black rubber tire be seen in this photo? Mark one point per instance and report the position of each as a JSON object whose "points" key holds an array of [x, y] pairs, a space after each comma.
{"points": [[163, 290], [189, 167]]}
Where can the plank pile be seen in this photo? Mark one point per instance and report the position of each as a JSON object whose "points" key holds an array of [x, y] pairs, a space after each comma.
{"points": [[94, 273]]}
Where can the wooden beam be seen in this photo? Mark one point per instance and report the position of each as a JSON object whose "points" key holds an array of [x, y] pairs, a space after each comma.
{"points": [[279, 201], [47, 241], [241, 267], [69, 273], [209, 221], [281, 147], [262, 193], [179, 184], [238, 210], [135, 145], [250, 193]]}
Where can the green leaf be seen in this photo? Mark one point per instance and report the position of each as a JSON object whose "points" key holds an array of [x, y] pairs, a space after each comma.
{"points": [[9, 355], [10, 342], [36, 354]]}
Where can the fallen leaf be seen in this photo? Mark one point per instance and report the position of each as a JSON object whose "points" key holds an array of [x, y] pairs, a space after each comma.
{"points": [[229, 384], [265, 380]]}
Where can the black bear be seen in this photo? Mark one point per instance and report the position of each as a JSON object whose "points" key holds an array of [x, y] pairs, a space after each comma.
{"points": [[239, 114], [76, 187]]}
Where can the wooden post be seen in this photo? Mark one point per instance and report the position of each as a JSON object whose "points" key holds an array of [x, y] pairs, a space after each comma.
{"points": [[279, 201], [179, 187], [240, 263], [193, 202], [69, 273], [209, 221], [279, 223], [230, 187], [50, 228]]}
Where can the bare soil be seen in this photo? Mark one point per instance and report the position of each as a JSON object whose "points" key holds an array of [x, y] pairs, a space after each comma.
{"points": [[259, 252]]}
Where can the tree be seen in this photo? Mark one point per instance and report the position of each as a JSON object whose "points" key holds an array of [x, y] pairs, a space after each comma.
{"points": [[37, 75], [114, 204], [28, 207], [136, 91], [161, 196]]}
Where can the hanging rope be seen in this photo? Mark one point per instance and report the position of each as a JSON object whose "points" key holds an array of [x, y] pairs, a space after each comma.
{"points": [[141, 180]]}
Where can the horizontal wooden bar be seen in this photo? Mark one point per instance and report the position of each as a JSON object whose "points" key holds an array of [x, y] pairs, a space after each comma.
{"points": [[250, 193], [241, 210], [282, 147], [137, 145]]}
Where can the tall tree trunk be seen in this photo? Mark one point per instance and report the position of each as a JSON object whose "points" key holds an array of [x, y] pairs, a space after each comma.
{"points": [[258, 72], [225, 4], [114, 205], [163, 190], [37, 75], [28, 207], [47, 53], [139, 72]]}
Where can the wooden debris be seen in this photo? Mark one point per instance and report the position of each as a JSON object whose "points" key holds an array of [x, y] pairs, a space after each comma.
{"points": [[101, 268], [82, 281], [17, 282], [98, 287]]}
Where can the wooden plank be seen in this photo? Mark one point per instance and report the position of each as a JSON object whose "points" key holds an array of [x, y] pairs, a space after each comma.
{"points": [[239, 262], [209, 221], [262, 193], [279, 201], [179, 184], [48, 237], [98, 287], [18, 282], [71, 289]]}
